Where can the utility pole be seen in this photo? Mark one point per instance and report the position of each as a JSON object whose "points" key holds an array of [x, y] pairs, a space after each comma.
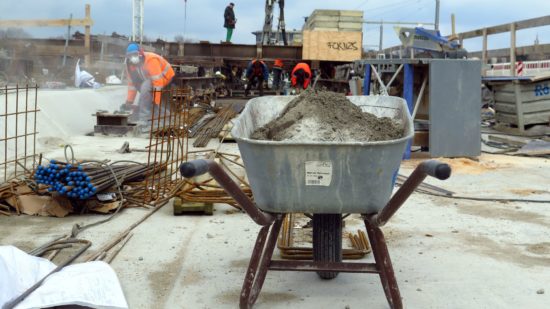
{"points": [[436, 14], [67, 40], [381, 36]]}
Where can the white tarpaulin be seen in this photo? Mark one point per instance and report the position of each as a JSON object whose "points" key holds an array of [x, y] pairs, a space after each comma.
{"points": [[83, 79], [92, 284]]}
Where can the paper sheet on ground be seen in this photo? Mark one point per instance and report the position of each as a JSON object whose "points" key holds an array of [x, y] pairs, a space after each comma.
{"points": [[92, 284]]}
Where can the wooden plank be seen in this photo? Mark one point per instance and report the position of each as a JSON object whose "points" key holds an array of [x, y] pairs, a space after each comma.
{"points": [[421, 138], [522, 24], [519, 107], [536, 148], [332, 46], [528, 107], [528, 119], [526, 97], [513, 49], [46, 23], [510, 140], [87, 32]]}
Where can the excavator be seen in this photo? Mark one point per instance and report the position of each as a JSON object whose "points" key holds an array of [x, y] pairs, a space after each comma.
{"points": [[268, 24]]}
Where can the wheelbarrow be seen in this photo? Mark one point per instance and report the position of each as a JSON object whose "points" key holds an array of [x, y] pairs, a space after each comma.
{"points": [[326, 179]]}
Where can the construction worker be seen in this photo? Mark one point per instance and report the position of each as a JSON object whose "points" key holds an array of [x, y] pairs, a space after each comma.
{"points": [[300, 76], [229, 21], [277, 76], [148, 73], [256, 73]]}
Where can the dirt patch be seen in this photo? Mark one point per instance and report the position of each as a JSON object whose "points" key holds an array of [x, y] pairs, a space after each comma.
{"points": [[525, 192], [324, 116], [503, 252], [163, 281], [542, 248], [232, 297], [504, 214], [242, 263], [463, 165]]}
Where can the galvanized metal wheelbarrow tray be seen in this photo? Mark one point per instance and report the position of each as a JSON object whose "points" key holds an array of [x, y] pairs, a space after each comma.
{"points": [[319, 178]]}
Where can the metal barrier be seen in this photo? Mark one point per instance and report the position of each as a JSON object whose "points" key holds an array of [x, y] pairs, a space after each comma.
{"points": [[530, 68]]}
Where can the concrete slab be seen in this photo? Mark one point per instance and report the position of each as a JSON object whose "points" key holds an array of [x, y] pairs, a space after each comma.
{"points": [[447, 253]]}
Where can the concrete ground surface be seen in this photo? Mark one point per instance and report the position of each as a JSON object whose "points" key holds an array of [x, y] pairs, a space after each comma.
{"points": [[447, 253]]}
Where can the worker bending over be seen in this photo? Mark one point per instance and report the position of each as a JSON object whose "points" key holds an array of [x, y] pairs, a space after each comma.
{"points": [[148, 73], [300, 77], [256, 73]]}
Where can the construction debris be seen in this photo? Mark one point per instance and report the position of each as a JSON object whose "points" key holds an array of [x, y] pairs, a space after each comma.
{"points": [[290, 235], [207, 190]]}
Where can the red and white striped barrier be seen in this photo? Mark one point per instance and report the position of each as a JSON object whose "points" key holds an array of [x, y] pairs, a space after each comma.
{"points": [[527, 68]]}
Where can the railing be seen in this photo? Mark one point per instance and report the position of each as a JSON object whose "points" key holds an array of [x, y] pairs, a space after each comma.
{"points": [[530, 68]]}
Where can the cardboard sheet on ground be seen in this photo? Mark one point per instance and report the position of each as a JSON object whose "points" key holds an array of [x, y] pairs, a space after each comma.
{"points": [[44, 205], [92, 284]]}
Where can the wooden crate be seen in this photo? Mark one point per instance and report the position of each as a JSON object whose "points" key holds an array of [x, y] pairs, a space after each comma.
{"points": [[332, 45]]}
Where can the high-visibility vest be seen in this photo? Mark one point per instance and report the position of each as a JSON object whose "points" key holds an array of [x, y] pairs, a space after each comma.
{"points": [[155, 68], [304, 66]]}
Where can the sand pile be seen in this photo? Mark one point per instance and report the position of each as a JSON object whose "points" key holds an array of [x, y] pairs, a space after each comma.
{"points": [[324, 116]]}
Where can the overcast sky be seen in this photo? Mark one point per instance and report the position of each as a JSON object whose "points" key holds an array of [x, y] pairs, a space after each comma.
{"points": [[166, 18]]}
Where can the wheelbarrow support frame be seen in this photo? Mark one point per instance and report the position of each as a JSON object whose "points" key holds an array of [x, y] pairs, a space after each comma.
{"points": [[261, 260]]}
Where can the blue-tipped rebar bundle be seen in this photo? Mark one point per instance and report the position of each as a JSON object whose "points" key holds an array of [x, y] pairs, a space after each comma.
{"points": [[83, 181]]}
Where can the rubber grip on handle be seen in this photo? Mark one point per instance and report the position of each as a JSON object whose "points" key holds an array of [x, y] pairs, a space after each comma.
{"points": [[193, 168], [437, 169]]}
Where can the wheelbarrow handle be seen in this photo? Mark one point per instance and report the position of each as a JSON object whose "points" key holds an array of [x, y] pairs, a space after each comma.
{"points": [[201, 166], [436, 169], [194, 168], [432, 168]]}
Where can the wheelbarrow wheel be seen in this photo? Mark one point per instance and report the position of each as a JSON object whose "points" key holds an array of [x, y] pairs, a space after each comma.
{"points": [[327, 241]]}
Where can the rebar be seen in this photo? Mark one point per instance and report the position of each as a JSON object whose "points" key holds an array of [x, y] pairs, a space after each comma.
{"points": [[85, 180], [17, 131], [168, 144]]}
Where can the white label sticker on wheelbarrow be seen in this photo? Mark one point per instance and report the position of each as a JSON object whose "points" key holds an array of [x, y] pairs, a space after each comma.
{"points": [[318, 173]]}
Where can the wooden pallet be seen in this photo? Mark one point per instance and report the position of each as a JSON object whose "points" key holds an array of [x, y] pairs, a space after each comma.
{"points": [[182, 207]]}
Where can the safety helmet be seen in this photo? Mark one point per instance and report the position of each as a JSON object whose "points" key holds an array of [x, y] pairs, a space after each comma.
{"points": [[134, 53], [278, 63]]}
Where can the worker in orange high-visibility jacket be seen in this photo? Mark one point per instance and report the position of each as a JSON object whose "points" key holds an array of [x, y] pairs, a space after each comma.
{"points": [[148, 73], [300, 76]]}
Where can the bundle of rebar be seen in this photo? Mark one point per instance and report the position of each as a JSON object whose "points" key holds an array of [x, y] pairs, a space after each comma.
{"points": [[82, 181], [214, 126]]}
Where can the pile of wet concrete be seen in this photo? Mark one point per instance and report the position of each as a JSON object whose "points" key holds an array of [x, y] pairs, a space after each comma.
{"points": [[324, 116]]}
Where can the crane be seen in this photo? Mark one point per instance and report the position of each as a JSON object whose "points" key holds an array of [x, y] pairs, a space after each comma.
{"points": [[268, 24], [137, 21]]}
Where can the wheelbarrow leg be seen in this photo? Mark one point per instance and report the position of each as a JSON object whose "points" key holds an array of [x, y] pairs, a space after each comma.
{"points": [[259, 264], [384, 265]]}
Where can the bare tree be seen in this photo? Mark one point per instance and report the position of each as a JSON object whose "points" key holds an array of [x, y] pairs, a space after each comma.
{"points": [[14, 33]]}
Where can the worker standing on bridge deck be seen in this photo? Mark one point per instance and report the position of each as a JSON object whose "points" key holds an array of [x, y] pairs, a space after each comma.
{"points": [[229, 21], [277, 76], [256, 73], [148, 73], [300, 76]]}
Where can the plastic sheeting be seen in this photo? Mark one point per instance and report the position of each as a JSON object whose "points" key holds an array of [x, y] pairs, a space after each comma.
{"points": [[92, 284]]}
